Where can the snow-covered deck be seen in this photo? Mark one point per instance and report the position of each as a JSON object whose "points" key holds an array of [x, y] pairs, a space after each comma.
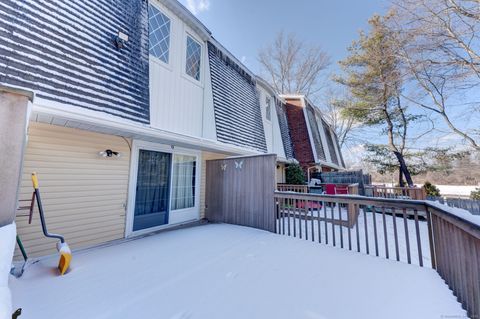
{"points": [[224, 271]]}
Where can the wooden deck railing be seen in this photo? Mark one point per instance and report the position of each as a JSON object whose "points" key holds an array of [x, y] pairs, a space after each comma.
{"points": [[415, 193], [412, 231], [292, 188], [472, 205], [456, 243]]}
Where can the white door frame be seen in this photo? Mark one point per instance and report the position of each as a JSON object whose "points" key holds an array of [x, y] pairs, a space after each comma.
{"points": [[189, 214]]}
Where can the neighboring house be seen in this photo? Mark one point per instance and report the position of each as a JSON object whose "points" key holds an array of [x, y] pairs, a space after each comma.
{"points": [[314, 142], [131, 98]]}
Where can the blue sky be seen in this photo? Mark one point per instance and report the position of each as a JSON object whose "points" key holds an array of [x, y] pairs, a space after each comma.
{"points": [[245, 26]]}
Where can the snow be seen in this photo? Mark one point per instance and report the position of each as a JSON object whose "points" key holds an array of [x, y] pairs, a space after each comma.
{"points": [[386, 249], [462, 213], [224, 271], [7, 246], [446, 190], [456, 190]]}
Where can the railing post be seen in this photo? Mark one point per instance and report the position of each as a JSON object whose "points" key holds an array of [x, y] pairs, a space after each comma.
{"points": [[431, 238]]}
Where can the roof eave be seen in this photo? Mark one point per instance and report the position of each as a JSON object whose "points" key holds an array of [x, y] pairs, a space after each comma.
{"points": [[188, 17]]}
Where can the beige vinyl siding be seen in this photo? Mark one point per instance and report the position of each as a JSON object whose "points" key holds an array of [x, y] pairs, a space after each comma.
{"points": [[84, 195], [203, 178]]}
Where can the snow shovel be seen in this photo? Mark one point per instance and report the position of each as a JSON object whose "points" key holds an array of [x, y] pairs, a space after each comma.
{"points": [[18, 271], [62, 246]]}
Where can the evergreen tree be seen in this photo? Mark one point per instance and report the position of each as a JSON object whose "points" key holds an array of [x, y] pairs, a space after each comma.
{"points": [[294, 175], [372, 74]]}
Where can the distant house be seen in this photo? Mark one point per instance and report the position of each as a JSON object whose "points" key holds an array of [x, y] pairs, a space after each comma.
{"points": [[275, 123], [314, 141], [130, 100]]}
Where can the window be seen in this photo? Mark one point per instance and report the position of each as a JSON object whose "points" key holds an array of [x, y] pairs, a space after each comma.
{"points": [[268, 108], [159, 26], [183, 181], [194, 54]]}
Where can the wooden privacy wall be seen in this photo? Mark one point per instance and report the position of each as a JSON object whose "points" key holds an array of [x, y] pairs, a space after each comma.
{"points": [[240, 191]]}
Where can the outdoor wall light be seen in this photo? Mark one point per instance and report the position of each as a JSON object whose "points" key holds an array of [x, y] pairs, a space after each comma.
{"points": [[120, 40], [109, 153]]}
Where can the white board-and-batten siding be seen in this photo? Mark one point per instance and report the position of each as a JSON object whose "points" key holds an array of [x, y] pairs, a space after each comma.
{"points": [[178, 101], [84, 195]]}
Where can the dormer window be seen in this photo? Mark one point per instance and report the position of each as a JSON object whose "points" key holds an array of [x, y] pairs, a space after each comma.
{"points": [[268, 108], [159, 34], [193, 58]]}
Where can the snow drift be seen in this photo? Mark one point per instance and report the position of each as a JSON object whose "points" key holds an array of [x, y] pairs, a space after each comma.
{"points": [[7, 246]]}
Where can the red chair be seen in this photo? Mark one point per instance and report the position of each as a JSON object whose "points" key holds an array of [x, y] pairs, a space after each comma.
{"points": [[330, 189], [310, 205]]}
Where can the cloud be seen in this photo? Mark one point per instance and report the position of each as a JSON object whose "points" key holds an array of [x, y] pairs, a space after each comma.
{"points": [[198, 6]]}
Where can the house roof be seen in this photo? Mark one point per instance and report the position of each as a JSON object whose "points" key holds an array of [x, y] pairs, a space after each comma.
{"points": [[188, 17], [233, 58], [264, 84], [238, 117], [319, 144]]}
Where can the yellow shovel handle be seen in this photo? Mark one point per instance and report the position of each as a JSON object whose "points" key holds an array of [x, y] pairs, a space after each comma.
{"points": [[35, 180]]}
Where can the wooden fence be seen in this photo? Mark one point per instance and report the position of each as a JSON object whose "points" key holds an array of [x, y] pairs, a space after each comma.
{"points": [[415, 193], [345, 177], [239, 191], [472, 205], [383, 228]]}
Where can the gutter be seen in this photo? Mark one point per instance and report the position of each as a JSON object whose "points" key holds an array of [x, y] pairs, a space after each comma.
{"points": [[127, 128]]}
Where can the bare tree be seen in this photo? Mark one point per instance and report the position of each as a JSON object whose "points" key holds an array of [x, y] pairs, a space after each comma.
{"points": [[292, 66], [344, 125], [442, 55]]}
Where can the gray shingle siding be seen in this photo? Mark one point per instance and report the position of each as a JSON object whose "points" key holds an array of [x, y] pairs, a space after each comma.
{"points": [[342, 162], [64, 51], [284, 131], [238, 117], [317, 139]]}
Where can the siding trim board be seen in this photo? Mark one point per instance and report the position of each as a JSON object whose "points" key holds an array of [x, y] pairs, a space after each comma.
{"points": [[76, 63]]}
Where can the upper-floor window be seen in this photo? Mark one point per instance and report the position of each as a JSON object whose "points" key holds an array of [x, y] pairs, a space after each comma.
{"points": [[193, 58], [159, 25], [268, 108]]}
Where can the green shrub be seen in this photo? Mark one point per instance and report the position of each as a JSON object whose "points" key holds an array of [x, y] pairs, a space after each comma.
{"points": [[475, 194], [431, 189], [294, 175]]}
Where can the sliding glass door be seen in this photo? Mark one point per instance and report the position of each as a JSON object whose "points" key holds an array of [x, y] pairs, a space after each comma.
{"points": [[183, 182], [164, 187], [153, 190]]}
